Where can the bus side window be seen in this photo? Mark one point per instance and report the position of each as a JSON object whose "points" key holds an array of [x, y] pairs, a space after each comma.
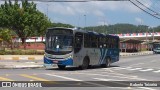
{"points": [[109, 43], [94, 41], [87, 41], [78, 42]]}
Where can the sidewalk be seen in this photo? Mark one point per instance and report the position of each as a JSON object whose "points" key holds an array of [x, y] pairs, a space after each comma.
{"points": [[20, 65], [21, 57], [21, 61], [36, 61], [122, 54]]}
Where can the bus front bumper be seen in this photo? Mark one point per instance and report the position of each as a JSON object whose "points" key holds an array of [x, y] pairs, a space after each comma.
{"points": [[66, 62], [48, 66]]}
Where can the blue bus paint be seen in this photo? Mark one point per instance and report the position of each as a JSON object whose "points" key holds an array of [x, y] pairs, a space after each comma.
{"points": [[68, 61], [47, 61]]}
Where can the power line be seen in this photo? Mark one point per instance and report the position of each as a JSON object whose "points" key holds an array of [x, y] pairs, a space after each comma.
{"points": [[154, 15], [68, 0], [146, 6], [153, 5]]}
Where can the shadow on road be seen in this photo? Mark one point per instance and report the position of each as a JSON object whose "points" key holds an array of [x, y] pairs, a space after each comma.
{"points": [[77, 68]]}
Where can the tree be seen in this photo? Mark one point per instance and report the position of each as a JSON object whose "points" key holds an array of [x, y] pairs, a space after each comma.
{"points": [[6, 36], [120, 28], [24, 19], [62, 25]]}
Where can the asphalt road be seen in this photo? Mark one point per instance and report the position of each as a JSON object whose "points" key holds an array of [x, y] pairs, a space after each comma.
{"points": [[137, 68]]}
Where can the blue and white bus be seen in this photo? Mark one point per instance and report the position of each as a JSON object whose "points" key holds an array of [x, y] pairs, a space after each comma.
{"points": [[80, 48], [156, 47]]}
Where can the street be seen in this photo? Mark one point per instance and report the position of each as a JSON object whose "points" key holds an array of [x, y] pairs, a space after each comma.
{"points": [[134, 68]]}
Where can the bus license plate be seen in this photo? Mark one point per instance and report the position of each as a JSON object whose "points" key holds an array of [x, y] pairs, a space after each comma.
{"points": [[55, 61]]}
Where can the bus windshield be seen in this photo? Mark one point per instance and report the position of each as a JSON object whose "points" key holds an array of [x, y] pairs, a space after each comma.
{"points": [[156, 46], [59, 41]]}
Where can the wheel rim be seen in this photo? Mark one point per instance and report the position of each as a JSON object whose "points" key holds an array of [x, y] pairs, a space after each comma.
{"points": [[85, 64]]}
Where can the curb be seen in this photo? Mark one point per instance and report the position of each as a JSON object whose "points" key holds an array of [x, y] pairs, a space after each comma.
{"points": [[20, 66], [136, 54], [20, 57]]}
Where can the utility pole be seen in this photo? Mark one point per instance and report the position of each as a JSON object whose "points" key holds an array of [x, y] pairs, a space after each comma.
{"points": [[147, 37], [47, 9], [153, 34], [85, 21], [105, 25]]}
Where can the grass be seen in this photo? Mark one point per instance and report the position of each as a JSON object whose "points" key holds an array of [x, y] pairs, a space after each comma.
{"points": [[21, 52]]}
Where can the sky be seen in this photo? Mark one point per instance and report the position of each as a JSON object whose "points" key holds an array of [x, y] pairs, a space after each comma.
{"points": [[81, 14]]}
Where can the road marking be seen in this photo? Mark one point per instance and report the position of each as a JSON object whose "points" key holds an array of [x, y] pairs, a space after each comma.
{"points": [[118, 68], [5, 79], [72, 79], [127, 68], [102, 79], [146, 70], [33, 77], [154, 61], [63, 77], [134, 69], [157, 71], [126, 77], [6, 74], [120, 74], [146, 88], [136, 64]]}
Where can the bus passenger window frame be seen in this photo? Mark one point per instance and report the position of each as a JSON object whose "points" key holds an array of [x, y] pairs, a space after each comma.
{"points": [[78, 43]]}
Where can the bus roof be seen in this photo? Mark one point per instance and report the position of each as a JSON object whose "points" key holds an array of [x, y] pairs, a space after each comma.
{"points": [[83, 31]]}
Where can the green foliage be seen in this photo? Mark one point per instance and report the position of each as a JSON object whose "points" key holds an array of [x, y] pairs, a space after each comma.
{"points": [[156, 29], [21, 52], [122, 28], [62, 25], [6, 35], [2, 52], [25, 20]]}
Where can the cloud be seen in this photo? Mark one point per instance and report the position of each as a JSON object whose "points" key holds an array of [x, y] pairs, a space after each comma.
{"points": [[1, 2], [58, 19], [97, 8], [139, 20], [143, 4]]}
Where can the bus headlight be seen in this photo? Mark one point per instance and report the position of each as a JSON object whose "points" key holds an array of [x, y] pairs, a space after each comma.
{"points": [[68, 57]]}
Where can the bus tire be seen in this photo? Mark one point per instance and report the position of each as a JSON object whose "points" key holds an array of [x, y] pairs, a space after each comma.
{"points": [[107, 63], [61, 67], [85, 64]]}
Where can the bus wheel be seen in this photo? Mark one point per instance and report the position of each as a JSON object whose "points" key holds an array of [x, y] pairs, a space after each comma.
{"points": [[61, 67], [85, 64], [107, 63]]}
